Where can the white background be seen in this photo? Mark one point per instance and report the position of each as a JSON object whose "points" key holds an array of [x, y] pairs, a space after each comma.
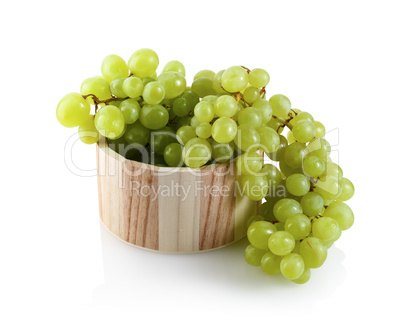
{"points": [[339, 60]]}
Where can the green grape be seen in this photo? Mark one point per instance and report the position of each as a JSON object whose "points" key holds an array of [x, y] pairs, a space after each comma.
{"points": [[153, 93], [133, 87], [288, 170], [265, 109], [313, 252], [185, 133], [290, 137], [258, 78], [312, 204], [294, 154], [211, 99], [204, 112], [173, 155], [222, 152], [249, 163], [192, 99], [297, 184], [97, 86], [320, 129], [116, 88], [88, 132], [143, 62], [114, 67], [234, 79], [278, 154], [292, 266], [302, 115], [281, 243], [270, 263], [319, 147], [181, 107], [251, 94], [326, 229], [73, 110], [266, 210], [146, 80], [348, 190], [298, 225], [224, 130], [304, 131], [194, 122], [203, 87], [341, 212], [253, 255], [255, 187], [174, 84], [216, 83], [305, 277], [131, 110], [174, 66], [225, 106], [162, 138], [137, 134], [196, 152], [286, 208], [269, 139], [258, 234], [204, 74], [154, 116], [203, 130], [334, 170], [313, 166], [272, 173], [276, 125], [329, 188], [280, 105], [247, 138], [109, 122], [250, 116]]}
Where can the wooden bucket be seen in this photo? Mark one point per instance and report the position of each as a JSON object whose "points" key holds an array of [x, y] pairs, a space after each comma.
{"points": [[179, 210]]}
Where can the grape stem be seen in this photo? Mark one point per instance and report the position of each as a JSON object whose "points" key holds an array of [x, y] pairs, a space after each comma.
{"points": [[283, 121], [97, 101], [247, 69]]}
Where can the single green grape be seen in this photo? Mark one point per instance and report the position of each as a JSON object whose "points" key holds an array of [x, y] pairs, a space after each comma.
{"points": [[280, 105], [329, 188], [290, 137], [153, 93], [281, 243], [258, 78], [253, 255], [172, 155], [266, 210], [326, 229], [137, 134], [174, 84], [133, 87], [88, 132], [97, 86], [286, 208], [204, 74], [269, 139], [154, 116], [348, 190], [216, 83], [304, 131], [116, 88], [288, 170], [247, 138], [341, 212], [181, 107], [203, 87], [222, 152], [332, 169], [161, 138], [143, 62], [249, 163], [251, 94], [224, 130], [270, 263], [254, 187], [174, 66], [225, 106], [298, 225], [313, 166], [196, 152], [313, 252], [250, 116], [131, 110], [109, 122], [272, 173], [259, 232], [278, 154], [185, 133], [312, 204], [114, 67], [297, 184], [294, 154], [265, 109], [204, 112], [320, 129], [203, 130], [305, 276], [73, 110], [192, 99], [292, 266], [234, 79]]}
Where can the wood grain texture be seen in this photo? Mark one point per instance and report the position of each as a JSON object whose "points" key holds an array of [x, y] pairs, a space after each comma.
{"points": [[170, 210]]}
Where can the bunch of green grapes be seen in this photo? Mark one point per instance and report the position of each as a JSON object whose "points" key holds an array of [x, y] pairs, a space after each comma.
{"points": [[224, 116]]}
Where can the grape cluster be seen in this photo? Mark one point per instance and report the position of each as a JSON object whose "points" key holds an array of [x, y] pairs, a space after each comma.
{"points": [[158, 119]]}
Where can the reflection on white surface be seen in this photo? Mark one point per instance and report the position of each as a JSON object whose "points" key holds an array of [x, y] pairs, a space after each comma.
{"points": [[138, 277]]}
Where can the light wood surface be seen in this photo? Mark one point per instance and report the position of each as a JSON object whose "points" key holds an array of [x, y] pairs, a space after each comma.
{"points": [[170, 210]]}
